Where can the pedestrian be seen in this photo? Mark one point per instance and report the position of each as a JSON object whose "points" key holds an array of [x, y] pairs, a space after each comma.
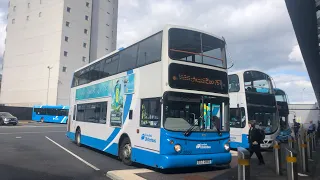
{"points": [[255, 139], [296, 127], [311, 127]]}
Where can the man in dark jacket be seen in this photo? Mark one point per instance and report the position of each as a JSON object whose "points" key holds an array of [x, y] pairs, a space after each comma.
{"points": [[255, 139]]}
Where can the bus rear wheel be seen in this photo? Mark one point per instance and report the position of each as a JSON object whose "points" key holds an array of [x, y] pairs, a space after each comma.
{"points": [[125, 152], [78, 138]]}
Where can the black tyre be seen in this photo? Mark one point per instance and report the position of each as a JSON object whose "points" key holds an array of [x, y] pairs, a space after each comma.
{"points": [[1, 122], [14, 124], [125, 151], [78, 137]]}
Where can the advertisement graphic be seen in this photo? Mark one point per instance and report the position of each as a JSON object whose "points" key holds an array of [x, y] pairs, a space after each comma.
{"points": [[116, 88]]}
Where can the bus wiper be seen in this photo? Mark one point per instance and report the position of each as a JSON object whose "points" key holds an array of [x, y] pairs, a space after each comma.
{"points": [[188, 132], [219, 131]]}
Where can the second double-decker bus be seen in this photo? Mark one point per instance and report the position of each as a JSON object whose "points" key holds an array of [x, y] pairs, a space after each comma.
{"points": [[162, 101], [252, 98], [283, 108], [51, 114]]}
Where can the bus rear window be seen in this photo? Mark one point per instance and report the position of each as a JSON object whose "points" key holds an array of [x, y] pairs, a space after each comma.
{"points": [[196, 47]]}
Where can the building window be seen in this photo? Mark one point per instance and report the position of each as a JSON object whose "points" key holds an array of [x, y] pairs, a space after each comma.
{"points": [[66, 38], [85, 31], [14, 8], [28, 5], [68, 9], [64, 69], [13, 21], [40, 14], [86, 18], [84, 59], [65, 53], [84, 45], [27, 18], [87, 4], [67, 24]]}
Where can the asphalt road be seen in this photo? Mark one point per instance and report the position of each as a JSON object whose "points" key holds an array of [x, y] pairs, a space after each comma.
{"points": [[42, 151], [26, 153]]}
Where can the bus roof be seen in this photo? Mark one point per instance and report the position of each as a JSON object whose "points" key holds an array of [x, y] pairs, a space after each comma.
{"points": [[166, 27], [245, 70], [51, 107]]}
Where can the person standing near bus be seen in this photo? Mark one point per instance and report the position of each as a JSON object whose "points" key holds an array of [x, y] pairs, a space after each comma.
{"points": [[296, 127], [255, 139]]}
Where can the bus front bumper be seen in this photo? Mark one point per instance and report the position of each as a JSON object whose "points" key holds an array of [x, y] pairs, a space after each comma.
{"points": [[178, 161]]}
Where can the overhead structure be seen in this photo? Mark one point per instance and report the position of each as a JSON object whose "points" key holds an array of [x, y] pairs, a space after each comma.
{"points": [[305, 17]]}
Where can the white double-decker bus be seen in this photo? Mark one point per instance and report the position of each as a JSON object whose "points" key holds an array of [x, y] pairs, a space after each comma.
{"points": [[252, 97], [162, 101]]}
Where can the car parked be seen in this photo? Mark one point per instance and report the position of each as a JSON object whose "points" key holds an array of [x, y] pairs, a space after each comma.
{"points": [[7, 118]]}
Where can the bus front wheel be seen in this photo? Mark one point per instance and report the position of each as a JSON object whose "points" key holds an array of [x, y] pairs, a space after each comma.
{"points": [[125, 152], [78, 137]]}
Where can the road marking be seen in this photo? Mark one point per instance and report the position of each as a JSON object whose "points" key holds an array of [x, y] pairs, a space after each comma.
{"points": [[76, 156], [30, 132], [29, 126], [18, 137], [127, 174]]}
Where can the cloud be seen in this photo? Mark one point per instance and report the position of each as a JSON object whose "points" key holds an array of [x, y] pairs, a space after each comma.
{"points": [[298, 88], [295, 55]]}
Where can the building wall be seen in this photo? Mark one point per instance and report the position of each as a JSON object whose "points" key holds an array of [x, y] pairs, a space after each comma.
{"points": [[304, 113], [32, 44], [36, 39], [75, 45], [104, 28]]}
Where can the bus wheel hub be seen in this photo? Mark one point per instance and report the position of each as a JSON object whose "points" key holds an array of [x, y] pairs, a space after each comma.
{"points": [[127, 151]]}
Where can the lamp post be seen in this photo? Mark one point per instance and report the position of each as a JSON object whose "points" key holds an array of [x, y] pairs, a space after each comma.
{"points": [[49, 68]]}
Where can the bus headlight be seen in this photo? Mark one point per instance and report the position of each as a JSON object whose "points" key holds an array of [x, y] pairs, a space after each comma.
{"points": [[227, 146], [177, 147]]}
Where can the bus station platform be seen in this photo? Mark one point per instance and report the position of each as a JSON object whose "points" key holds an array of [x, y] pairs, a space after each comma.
{"points": [[257, 172], [267, 171]]}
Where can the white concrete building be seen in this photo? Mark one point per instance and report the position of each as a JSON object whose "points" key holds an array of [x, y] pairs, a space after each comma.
{"points": [[60, 34], [304, 113]]}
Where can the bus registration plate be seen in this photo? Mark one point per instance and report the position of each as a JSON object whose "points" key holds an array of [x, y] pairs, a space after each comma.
{"points": [[202, 162]]}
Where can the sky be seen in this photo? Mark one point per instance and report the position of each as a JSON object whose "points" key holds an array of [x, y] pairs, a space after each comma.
{"points": [[259, 34]]}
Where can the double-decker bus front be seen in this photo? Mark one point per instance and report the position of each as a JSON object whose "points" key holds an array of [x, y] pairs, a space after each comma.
{"points": [[195, 126], [283, 108], [252, 98]]}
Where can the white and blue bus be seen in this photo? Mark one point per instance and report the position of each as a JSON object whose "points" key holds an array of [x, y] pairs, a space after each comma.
{"points": [[161, 102], [50, 114], [252, 98], [283, 108]]}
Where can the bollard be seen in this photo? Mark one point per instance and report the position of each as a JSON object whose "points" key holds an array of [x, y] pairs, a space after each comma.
{"points": [[243, 164], [291, 158], [304, 159], [290, 141], [309, 146], [277, 156], [314, 143]]}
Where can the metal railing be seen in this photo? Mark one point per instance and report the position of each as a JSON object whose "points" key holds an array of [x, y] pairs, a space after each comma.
{"points": [[243, 164], [291, 159]]}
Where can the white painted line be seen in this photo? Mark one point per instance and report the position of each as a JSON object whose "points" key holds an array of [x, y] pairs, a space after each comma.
{"points": [[26, 126], [76, 156], [30, 132], [127, 174], [18, 137], [300, 174]]}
